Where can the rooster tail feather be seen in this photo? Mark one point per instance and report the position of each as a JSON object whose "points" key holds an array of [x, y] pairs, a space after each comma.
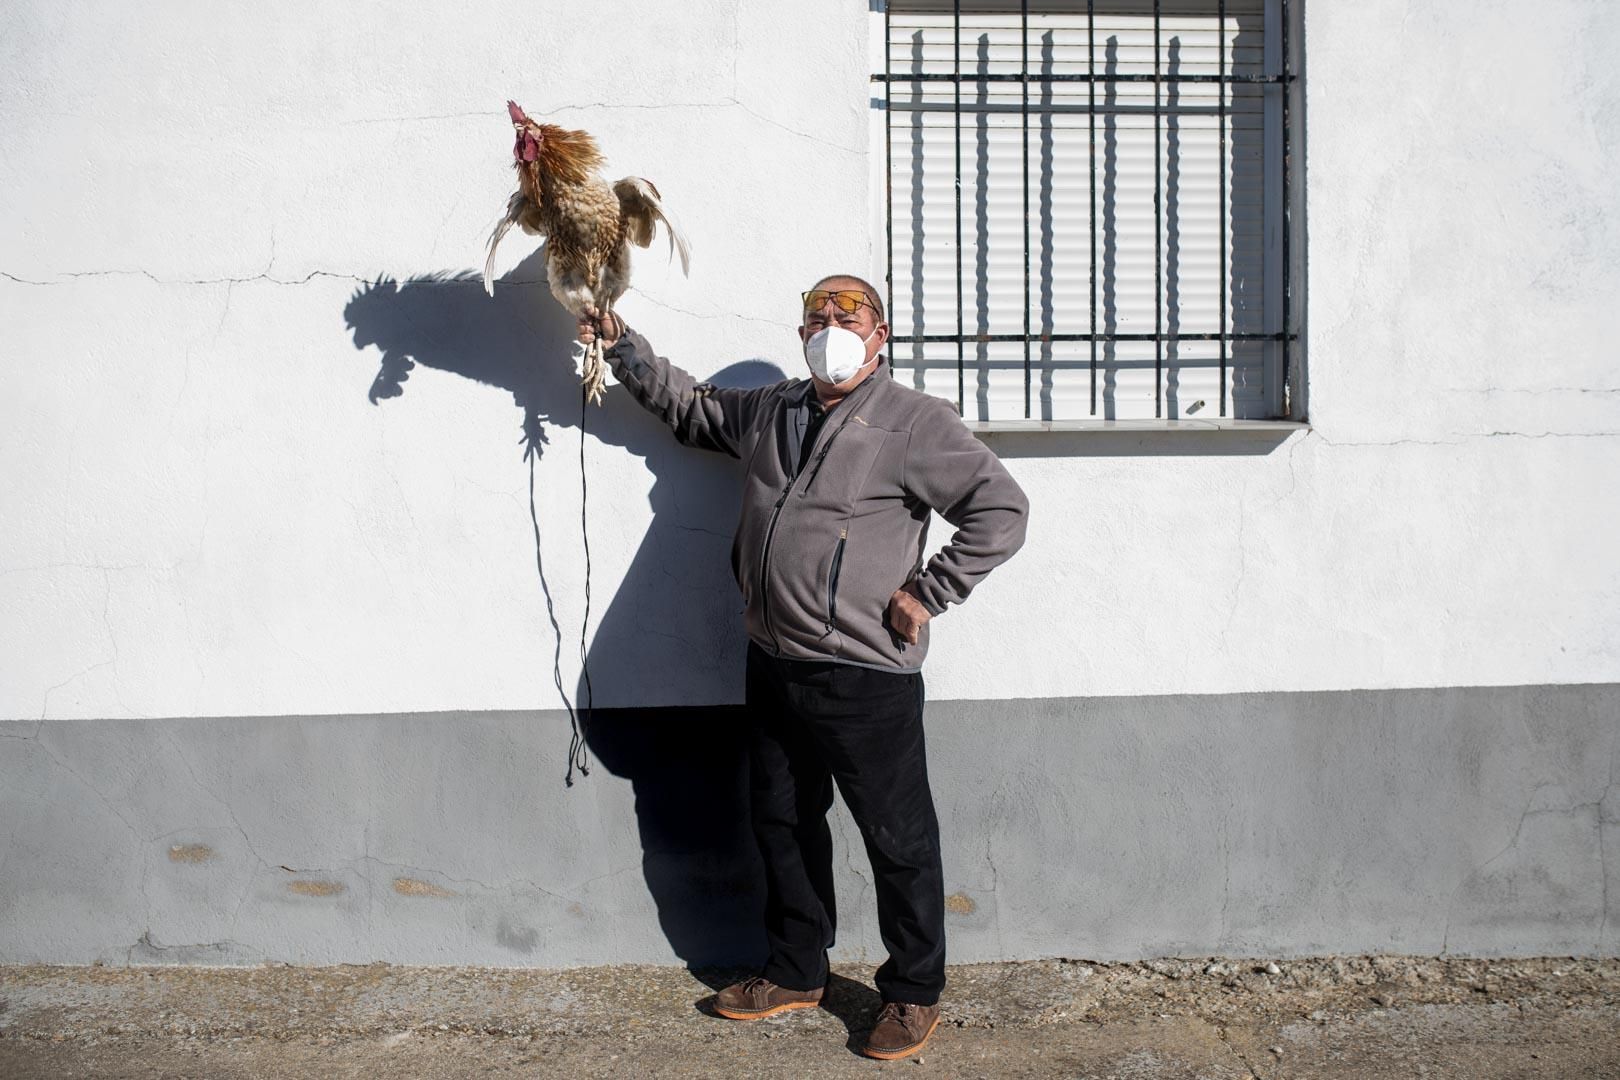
{"points": [[643, 209], [679, 243], [489, 261], [515, 209]]}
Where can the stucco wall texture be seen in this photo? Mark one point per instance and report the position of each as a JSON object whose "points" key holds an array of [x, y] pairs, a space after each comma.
{"points": [[265, 604]]}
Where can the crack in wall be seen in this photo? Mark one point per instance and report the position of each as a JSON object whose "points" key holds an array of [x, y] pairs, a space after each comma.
{"points": [[1596, 805], [712, 315], [112, 808], [261, 276], [179, 752], [1293, 479], [1445, 935], [995, 885], [45, 702], [1603, 855], [858, 151], [449, 282], [1226, 877], [219, 327], [112, 641]]}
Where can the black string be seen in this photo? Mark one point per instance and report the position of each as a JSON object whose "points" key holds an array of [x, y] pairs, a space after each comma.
{"points": [[556, 630], [576, 749]]}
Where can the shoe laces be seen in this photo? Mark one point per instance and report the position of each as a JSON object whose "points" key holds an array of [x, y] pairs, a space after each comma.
{"points": [[894, 1010], [756, 983]]}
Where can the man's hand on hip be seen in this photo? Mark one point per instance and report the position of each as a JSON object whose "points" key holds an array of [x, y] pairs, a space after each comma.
{"points": [[906, 613]]}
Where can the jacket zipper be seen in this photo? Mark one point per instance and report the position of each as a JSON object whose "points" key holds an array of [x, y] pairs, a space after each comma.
{"points": [[776, 514], [832, 579], [765, 564]]}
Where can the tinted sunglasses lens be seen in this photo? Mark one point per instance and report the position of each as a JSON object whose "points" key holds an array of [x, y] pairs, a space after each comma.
{"points": [[847, 300]]}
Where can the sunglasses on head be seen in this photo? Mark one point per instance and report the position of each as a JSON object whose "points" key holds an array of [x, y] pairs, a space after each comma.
{"points": [[847, 300]]}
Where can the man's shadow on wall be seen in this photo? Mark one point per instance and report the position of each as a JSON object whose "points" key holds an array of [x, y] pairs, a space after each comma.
{"points": [[673, 621]]}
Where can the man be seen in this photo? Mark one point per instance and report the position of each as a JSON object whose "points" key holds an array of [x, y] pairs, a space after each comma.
{"points": [[841, 473]]}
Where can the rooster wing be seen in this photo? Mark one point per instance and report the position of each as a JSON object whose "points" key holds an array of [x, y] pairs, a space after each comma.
{"points": [[642, 209]]}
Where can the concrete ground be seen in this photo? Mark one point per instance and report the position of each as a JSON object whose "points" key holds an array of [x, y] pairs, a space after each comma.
{"points": [[1354, 1016]]}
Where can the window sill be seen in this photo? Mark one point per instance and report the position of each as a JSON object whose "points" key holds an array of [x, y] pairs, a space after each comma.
{"points": [[993, 427]]}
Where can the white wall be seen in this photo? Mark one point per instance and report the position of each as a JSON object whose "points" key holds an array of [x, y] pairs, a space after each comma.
{"points": [[206, 516]]}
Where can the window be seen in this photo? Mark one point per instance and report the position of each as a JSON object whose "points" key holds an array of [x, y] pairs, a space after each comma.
{"points": [[1086, 210]]}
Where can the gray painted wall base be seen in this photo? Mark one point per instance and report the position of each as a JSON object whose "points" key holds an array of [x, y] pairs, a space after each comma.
{"points": [[1470, 820]]}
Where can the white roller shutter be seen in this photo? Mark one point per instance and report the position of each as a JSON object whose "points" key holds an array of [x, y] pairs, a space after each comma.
{"points": [[925, 131]]}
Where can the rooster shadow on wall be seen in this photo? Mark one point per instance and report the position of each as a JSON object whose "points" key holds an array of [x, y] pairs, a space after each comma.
{"points": [[674, 614]]}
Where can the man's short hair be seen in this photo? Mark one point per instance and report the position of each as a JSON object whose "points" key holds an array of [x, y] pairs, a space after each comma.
{"points": [[866, 287]]}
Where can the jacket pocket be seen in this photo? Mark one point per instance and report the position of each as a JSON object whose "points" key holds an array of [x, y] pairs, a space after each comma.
{"points": [[832, 578]]}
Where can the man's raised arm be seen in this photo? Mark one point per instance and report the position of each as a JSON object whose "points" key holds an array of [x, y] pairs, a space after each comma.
{"points": [[700, 414]]}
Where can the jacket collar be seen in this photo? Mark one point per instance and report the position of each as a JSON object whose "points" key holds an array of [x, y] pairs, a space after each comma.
{"points": [[801, 396]]}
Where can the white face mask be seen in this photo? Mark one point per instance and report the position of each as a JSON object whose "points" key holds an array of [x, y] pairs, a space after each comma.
{"points": [[835, 354]]}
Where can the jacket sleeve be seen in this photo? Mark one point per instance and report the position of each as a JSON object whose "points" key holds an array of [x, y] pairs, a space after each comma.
{"points": [[961, 478], [700, 414]]}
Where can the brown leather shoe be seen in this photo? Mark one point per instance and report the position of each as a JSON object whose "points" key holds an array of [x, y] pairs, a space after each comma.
{"points": [[758, 997], [900, 1030]]}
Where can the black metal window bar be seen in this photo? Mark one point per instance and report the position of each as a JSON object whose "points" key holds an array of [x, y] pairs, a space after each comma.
{"points": [[1253, 329]]}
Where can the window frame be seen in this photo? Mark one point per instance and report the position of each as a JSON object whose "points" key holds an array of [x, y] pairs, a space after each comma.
{"points": [[1283, 378]]}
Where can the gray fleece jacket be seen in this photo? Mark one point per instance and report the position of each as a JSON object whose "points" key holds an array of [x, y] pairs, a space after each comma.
{"points": [[822, 544]]}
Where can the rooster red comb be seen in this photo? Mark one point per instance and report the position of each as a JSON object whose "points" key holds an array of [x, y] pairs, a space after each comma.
{"points": [[517, 114]]}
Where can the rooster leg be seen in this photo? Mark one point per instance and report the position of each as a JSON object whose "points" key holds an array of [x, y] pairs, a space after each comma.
{"points": [[595, 365], [592, 371], [594, 389]]}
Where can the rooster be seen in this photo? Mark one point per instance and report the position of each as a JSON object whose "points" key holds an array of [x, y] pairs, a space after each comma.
{"points": [[588, 224]]}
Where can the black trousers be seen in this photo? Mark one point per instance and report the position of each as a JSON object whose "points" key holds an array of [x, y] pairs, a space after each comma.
{"points": [[814, 723]]}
